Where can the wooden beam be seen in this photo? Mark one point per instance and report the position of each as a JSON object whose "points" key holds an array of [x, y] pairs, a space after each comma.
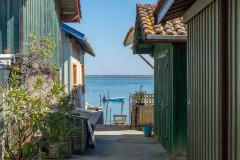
{"points": [[177, 9], [146, 61], [162, 9]]}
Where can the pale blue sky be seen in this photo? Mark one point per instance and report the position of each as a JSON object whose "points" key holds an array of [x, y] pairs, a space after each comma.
{"points": [[105, 24]]}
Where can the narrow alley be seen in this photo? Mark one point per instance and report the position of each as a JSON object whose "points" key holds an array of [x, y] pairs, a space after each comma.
{"points": [[121, 143]]}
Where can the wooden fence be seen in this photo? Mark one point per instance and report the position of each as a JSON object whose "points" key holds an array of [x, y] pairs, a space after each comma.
{"points": [[141, 110]]}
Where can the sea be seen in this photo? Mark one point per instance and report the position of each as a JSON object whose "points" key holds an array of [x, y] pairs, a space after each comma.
{"points": [[115, 86]]}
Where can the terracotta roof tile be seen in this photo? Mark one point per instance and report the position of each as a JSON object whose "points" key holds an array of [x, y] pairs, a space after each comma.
{"points": [[146, 16]]}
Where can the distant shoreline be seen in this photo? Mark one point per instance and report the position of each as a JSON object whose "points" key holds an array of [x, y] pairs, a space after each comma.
{"points": [[119, 76]]}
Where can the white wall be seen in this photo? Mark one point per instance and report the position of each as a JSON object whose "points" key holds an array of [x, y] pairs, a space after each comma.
{"points": [[5, 59], [72, 54]]}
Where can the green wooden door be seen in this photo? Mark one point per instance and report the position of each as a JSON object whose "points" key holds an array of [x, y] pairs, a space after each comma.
{"points": [[156, 99], [164, 99]]}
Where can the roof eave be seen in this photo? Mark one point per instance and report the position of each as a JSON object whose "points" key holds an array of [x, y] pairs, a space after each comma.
{"points": [[166, 38], [73, 14], [79, 37]]}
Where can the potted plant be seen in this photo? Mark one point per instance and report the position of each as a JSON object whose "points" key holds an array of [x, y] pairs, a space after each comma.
{"points": [[57, 131]]}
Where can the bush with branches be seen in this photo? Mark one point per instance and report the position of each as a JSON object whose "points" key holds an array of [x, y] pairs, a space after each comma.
{"points": [[33, 100]]}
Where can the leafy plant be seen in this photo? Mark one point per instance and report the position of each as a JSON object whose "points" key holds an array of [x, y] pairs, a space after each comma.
{"points": [[34, 101]]}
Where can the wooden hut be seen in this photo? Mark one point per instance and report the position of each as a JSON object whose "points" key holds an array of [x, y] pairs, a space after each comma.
{"points": [[74, 47], [213, 75], [166, 42], [19, 19], [23, 18]]}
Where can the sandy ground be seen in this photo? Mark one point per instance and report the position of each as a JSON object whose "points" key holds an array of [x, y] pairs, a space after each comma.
{"points": [[123, 144]]}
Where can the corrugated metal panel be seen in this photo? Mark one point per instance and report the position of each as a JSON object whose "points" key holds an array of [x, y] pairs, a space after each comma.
{"points": [[9, 25], [41, 18], [204, 84], [20, 19], [234, 76], [170, 97], [3, 26], [13, 26]]}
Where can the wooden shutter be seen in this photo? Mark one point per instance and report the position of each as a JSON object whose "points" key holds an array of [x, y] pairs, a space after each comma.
{"points": [[83, 78], [74, 75]]}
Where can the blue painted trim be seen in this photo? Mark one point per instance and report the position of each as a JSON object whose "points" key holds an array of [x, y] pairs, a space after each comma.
{"points": [[79, 37], [72, 31]]}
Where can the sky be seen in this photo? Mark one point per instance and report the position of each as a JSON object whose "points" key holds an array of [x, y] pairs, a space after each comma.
{"points": [[105, 23]]}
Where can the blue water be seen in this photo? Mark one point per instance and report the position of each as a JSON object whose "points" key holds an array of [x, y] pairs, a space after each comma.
{"points": [[117, 87]]}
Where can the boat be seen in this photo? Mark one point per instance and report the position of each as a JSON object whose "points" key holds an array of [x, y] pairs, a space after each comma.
{"points": [[116, 99]]}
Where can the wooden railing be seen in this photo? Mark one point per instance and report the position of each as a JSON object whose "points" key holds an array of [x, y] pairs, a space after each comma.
{"points": [[146, 99]]}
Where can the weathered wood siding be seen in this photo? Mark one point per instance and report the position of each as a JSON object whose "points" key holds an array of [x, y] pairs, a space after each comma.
{"points": [[9, 25], [22, 18], [41, 18], [204, 84], [234, 77]]}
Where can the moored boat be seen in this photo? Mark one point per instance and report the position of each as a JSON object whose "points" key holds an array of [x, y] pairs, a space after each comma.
{"points": [[116, 99]]}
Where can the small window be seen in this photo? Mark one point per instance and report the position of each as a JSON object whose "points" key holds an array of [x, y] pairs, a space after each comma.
{"points": [[74, 75]]}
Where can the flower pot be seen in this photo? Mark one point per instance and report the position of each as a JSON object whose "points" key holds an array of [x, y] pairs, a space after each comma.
{"points": [[147, 130], [59, 150]]}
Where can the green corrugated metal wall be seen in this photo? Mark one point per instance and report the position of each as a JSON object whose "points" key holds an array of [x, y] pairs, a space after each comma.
{"points": [[204, 84], [163, 92], [26, 17], [170, 97], [9, 25], [41, 17], [179, 98], [234, 76], [3, 26]]}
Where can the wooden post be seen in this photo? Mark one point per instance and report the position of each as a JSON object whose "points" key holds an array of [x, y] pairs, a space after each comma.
{"points": [[110, 115], [106, 112], [130, 108], [122, 108]]}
